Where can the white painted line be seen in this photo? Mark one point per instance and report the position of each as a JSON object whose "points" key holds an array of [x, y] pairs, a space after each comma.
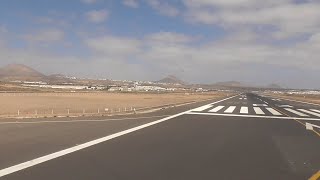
{"points": [[315, 110], [78, 121], [28, 164], [216, 109], [310, 112], [287, 106], [244, 110], [296, 112], [230, 109], [55, 155], [310, 126], [274, 112], [258, 110], [260, 105], [254, 116], [202, 108]]}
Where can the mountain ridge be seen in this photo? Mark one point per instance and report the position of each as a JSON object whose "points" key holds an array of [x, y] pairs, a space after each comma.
{"points": [[171, 79], [20, 72]]}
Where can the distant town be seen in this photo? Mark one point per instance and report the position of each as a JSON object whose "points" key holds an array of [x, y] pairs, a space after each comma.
{"points": [[21, 77], [128, 86]]}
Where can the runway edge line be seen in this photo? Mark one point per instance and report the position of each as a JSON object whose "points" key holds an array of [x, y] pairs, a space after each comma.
{"points": [[70, 150]]}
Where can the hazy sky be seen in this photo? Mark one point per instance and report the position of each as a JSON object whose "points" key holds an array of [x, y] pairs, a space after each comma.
{"points": [[203, 41]]}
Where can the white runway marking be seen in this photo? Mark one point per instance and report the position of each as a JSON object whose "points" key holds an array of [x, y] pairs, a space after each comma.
{"points": [[78, 121], [310, 112], [296, 112], [274, 112], [310, 126], [34, 162], [244, 110], [315, 110], [260, 105], [253, 116], [285, 106], [258, 110], [230, 109], [202, 108], [216, 109]]}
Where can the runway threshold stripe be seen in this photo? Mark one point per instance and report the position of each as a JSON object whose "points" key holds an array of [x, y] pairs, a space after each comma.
{"points": [[310, 112], [202, 108], [258, 110], [315, 110], [296, 112], [216, 109], [244, 110], [274, 112], [254, 116], [230, 109]]}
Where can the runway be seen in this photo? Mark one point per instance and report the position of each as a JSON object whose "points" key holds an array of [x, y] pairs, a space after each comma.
{"points": [[247, 136]]}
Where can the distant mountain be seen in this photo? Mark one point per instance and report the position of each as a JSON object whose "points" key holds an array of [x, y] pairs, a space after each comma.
{"points": [[171, 80], [20, 72], [231, 84], [274, 86]]}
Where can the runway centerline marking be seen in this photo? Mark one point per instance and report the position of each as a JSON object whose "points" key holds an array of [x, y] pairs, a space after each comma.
{"points": [[34, 162]]}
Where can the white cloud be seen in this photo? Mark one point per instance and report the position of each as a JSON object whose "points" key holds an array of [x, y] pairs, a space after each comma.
{"points": [[167, 52], [56, 21], [45, 35], [168, 37], [163, 8], [239, 56], [131, 3], [3, 29], [89, 1], [114, 46], [286, 17], [97, 16], [236, 4]]}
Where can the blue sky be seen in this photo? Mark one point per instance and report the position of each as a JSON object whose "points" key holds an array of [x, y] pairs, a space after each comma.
{"points": [[199, 41]]}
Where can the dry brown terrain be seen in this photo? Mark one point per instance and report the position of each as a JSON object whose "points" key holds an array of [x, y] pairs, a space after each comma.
{"points": [[77, 103]]}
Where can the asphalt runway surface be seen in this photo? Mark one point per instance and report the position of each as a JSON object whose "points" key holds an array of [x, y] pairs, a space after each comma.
{"points": [[246, 136]]}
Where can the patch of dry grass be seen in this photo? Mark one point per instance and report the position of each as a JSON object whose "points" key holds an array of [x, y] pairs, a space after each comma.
{"points": [[44, 103]]}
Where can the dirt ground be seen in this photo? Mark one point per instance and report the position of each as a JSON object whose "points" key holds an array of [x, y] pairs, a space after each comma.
{"points": [[62, 103]]}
